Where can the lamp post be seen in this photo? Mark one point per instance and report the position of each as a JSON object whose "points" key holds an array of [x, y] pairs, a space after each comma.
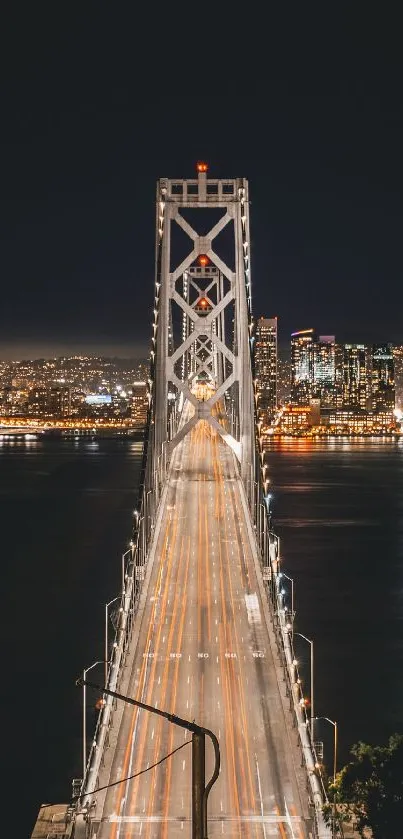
{"points": [[129, 551], [200, 791], [312, 702], [276, 550], [148, 511], [106, 635], [282, 574], [334, 724], [85, 671]]}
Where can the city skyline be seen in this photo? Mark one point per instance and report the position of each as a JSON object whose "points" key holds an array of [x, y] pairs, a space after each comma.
{"points": [[200, 427]]}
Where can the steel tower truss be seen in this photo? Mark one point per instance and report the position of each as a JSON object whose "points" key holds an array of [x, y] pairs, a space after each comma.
{"points": [[202, 316]]}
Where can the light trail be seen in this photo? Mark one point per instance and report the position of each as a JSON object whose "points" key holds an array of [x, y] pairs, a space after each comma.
{"points": [[195, 657]]}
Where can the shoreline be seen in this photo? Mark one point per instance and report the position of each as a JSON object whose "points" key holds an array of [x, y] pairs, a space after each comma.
{"points": [[33, 432]]}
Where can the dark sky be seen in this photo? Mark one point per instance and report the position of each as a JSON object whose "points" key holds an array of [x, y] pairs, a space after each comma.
{"points": [[96, 105]]}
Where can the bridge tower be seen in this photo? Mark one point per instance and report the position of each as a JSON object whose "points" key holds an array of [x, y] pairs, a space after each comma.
{"points": [[201, 369], [202, 330]]}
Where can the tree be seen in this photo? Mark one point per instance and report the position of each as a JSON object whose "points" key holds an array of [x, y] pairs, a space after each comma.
{"points": [[370, 789]]}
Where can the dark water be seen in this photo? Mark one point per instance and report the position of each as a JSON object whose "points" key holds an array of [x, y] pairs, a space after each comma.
{"points": [[338, 509], [65, 518]]}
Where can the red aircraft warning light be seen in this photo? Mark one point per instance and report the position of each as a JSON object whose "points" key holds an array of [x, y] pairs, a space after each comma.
{"points": [[203, 260], [201, 167], [203, 307]]}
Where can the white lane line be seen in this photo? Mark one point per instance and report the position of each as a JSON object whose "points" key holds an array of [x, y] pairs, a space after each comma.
{"points": [[289, 819], [123, 802], [260, 794]]}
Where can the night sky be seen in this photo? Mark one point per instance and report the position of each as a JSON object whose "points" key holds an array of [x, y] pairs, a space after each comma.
{"points": [[97, 104]]}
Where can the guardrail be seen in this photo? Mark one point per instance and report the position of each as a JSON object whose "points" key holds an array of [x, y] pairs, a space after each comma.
{"points": [[282, 627], [133, 579]]}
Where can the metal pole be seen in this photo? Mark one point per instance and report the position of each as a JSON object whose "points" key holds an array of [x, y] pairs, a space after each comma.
{"points": [[129, 551], [106, 642], [292, 610], [312, 685], [312, 706], [334, 776], [198, 730], [107, 633], [292, 603], [85, 671], [84, 727], [334, 724], [198, 784]]}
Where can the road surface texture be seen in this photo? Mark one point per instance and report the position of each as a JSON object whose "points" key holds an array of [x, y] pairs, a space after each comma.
{"points": [[202, 649]]}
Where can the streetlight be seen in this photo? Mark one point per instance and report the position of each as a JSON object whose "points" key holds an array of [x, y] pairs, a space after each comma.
{"points": [[281, 574], [85, 671], [200, 791], [312, 703], [275, 561], [334, 724], [106, 634], [129, 551]]}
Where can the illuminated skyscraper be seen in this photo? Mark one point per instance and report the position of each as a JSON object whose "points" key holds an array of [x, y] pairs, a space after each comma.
{"points": [[324, 370], [49, 401], [383, 378], [266, 366], [302, 366], [355, 376], [398, 359]]}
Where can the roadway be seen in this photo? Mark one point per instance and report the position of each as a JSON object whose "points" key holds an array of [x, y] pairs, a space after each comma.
{"points": [[203, 651]]}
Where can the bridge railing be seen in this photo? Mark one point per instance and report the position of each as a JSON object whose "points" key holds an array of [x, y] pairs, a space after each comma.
{"points": [[132, 583], [281, 616]]}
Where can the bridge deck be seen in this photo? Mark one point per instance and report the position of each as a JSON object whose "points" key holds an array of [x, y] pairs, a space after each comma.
{"points": [[203, 650]]}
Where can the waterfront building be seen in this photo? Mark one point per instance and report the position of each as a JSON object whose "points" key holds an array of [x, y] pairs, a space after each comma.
{"points": [[49, 402], [302, 366], [355, 383], [398, 360], [283, 379], [324, 370], [266, 367], [139, 404], [382, 378]]}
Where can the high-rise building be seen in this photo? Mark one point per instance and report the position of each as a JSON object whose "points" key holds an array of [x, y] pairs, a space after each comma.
{"points": [[355, 376], [302, 366], [383, 378], [51, 402], [266, 367], [324, 370], [398, 359]]}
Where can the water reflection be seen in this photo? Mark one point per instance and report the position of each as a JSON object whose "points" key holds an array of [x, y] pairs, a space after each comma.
{"points": [[338, 509]]}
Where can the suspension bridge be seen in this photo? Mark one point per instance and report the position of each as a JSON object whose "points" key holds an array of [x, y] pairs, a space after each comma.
{"points": [[204, 628]]}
